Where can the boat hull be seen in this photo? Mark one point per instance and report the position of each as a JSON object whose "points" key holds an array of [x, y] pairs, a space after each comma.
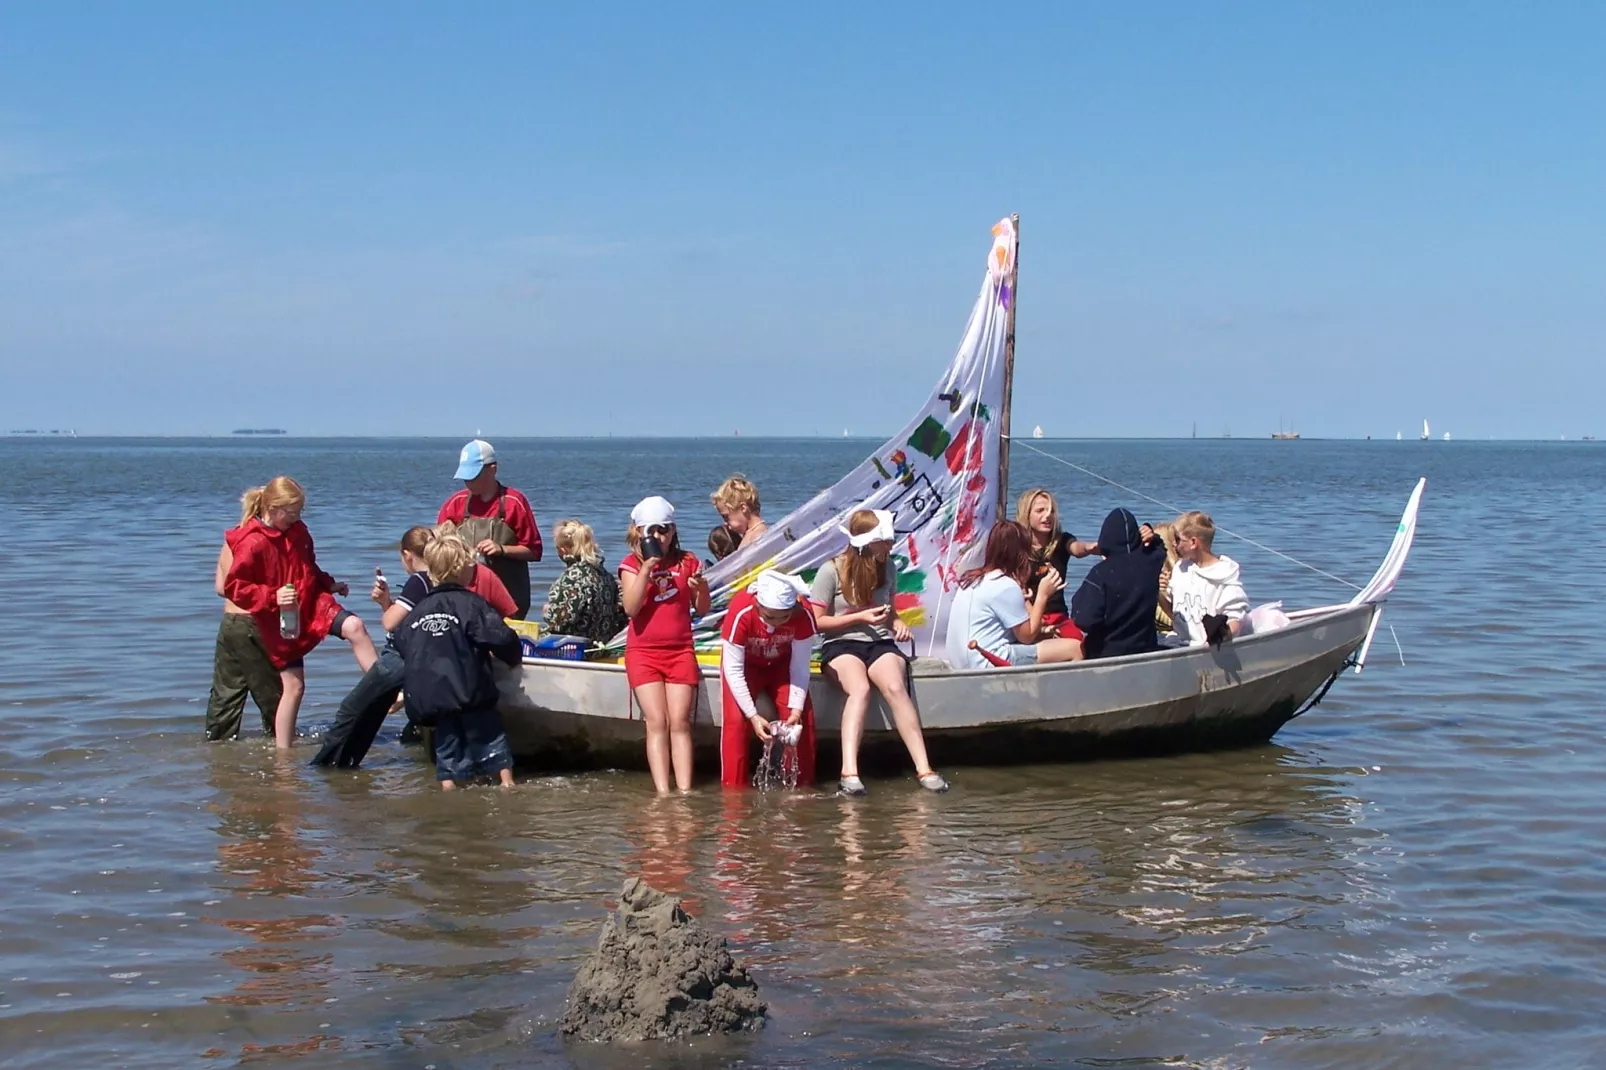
{"points": [[577, 715]]}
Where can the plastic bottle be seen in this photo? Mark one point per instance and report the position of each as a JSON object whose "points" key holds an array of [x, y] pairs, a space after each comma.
{"points": [[289, 618]]}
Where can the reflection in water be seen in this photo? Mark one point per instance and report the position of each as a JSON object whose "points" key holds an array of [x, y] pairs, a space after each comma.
{"points": [[264, 849]]}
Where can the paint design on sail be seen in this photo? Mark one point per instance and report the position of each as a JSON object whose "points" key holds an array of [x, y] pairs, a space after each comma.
{"points": [[938, 477]]}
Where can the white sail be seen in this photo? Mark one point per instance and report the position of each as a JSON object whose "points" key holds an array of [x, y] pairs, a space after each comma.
{"points": [[938, 476], [1388, 573], [1037, 432], [1426, 434]]}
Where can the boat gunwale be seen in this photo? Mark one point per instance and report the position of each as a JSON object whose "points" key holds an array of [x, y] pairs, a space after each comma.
{"points": [[1301, 620]]}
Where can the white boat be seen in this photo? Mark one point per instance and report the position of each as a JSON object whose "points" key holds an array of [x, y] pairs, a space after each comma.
{"points": [[1037, 432], [580, 714], [1426, 434], [1447, 436]]}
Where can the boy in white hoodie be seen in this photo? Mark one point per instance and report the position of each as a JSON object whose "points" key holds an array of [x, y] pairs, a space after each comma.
{"points": [[1206, 598]]}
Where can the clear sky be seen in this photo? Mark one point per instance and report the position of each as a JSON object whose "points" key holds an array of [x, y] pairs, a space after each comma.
{"points": [[675, 219]]}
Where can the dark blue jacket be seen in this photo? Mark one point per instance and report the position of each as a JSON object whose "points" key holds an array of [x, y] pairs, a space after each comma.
{"points": [[1114, 607], [447, 642]]}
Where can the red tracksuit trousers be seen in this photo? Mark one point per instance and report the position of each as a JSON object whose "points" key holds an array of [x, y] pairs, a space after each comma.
{"points": [[738, 744]]}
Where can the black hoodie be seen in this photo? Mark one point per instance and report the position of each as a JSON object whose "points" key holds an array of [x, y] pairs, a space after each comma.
{"points": [[447, 642], [1114, 607]]}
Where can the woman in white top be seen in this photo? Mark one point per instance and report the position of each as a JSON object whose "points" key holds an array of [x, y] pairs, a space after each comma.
{"points": [[852, 601], [991, 611]]}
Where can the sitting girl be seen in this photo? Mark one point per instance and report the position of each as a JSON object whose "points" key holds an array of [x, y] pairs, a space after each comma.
{"points": [[737, 503], [768, 641], [1052, 550], [584, 600], [990, 608], [274, 576], [661, 586], [852, 602]]}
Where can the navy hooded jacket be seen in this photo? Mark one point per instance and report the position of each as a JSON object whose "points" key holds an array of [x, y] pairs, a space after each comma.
{"points": [[447, 642], [1114, 607]]}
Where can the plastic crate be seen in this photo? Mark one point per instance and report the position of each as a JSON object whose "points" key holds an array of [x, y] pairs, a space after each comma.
{"points": [[555, 647]]}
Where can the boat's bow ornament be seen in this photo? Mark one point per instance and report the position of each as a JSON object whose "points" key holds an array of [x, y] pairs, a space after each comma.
{"points": [[1388, 573], [938, 477]]}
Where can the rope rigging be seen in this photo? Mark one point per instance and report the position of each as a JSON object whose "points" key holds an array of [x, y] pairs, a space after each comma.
{"points": [[1175, 509]]}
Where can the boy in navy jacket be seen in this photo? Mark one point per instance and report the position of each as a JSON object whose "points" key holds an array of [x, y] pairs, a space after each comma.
{"points": [[448, 641]]}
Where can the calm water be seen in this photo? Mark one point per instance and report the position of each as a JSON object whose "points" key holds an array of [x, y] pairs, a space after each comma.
{"points": [[1412, 875]]}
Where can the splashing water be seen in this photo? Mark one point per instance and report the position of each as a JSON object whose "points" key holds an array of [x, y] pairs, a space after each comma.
{"points": [[778, 767]]}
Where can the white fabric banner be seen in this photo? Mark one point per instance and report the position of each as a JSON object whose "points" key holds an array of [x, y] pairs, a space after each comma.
{"points": [[938, 477]]}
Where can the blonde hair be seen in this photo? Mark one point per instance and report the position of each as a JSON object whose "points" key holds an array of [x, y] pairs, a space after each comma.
{"points": [[1168, 539], [1196, 525], [858, 571], [576, 542], [734, 493], [278, 492], [447, 557], [1023, 512]]}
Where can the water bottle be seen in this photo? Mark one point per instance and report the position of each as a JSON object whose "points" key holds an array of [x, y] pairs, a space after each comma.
{"points": [[289, 618]]}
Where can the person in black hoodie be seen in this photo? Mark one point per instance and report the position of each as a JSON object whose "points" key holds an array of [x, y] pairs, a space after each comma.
{"points": [[1114, 607], [447, 642]]}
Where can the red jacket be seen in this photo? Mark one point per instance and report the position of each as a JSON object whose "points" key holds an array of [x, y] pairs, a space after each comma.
{"points": [[265, 559]]}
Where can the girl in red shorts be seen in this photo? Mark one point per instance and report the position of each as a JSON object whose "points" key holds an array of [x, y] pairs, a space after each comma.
{"points": [[769, 636], [661, 586]]}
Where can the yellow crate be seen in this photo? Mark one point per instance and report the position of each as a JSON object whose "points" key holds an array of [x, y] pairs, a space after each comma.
{"points": [[530, 629]]}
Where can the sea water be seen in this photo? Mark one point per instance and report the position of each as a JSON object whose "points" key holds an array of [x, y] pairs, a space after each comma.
{"points": [[1411, 874]]}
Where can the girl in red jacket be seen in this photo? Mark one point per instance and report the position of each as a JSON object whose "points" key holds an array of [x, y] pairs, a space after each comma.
{"points": [[661, 586], [275, 577], [769, 638]]}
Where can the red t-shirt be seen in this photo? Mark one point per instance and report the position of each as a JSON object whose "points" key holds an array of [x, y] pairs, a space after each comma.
{"points": [[664, 622], [516, 512], [766, 646]]}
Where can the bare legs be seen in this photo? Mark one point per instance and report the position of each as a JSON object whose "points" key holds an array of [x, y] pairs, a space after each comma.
{"points": [[362, 647], [1051, 650], [504, 779], [887, 676], [667, 711], [294, 681]]}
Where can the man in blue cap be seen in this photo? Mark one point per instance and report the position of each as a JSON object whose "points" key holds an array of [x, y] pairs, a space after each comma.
{"points": [[496, 521]]}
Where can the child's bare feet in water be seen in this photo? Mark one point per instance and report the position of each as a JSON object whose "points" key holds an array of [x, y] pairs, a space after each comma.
{"points": [[506, 776], [448, 785]]}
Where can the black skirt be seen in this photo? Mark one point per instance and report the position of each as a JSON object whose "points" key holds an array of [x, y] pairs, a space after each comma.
{"points": [[869, 653]]}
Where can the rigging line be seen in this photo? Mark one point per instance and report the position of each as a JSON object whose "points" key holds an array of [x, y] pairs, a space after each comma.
{"points": [[1166, 505]]}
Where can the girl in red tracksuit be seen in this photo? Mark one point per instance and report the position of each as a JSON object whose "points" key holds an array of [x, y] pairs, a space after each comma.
{"points": [[273, 568], [661, 586], [769, 637]]}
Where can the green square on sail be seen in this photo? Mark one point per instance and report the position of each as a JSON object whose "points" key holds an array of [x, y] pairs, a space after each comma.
{"points": [[930, 438]]}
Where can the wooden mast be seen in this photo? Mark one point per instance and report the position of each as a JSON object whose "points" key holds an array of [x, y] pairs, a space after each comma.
{"points": [[1009, 376]]}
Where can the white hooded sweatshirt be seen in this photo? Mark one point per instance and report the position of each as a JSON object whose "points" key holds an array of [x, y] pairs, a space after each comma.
{"points": [[1198, 591]]}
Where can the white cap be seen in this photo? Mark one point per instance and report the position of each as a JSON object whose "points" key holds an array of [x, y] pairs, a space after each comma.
{"points": [[652, 512], [473, 457], [882, 532], [778, 590]]}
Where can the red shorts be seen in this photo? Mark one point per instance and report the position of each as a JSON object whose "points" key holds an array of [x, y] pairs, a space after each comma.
{"points": [[651, 666], [1067, 626]]}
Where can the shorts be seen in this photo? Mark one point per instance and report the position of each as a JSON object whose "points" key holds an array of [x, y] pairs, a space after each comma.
{"points": [[869, 653], [1067, 627], [1022, 654], [470, 743], [651, 666]]}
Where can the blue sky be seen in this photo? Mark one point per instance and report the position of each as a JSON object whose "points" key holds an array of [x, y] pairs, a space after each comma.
{"points": [[575, 219]]}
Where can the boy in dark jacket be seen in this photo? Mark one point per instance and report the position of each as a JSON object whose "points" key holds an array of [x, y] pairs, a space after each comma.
{"points": [[1114, 607], [447, 642]]}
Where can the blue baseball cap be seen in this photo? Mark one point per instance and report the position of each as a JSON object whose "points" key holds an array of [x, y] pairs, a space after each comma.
{"points": [[474, 456]]}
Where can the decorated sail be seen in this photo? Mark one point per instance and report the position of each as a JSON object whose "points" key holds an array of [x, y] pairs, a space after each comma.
{"points": [[938, 476]]}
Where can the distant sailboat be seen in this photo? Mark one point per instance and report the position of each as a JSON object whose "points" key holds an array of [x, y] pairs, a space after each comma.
{"points": [[845, 432], [1426, 434], [1447, 436], [1037, 432], [1398, 437], [1285, 436]]}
